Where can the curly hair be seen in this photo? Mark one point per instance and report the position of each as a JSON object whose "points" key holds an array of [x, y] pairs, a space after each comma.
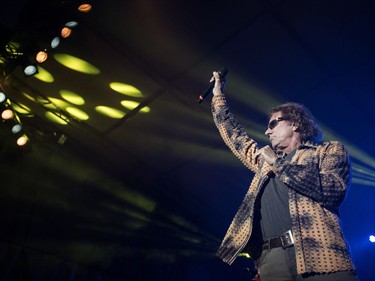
{"points": [[301, 116]]}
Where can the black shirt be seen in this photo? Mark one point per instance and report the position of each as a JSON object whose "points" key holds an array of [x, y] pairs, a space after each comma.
{"points": [[274, 210]]}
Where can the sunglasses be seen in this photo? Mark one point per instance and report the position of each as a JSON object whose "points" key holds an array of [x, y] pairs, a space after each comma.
{"points": [[275, 122]]}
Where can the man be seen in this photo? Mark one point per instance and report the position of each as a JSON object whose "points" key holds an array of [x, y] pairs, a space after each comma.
{"points": [[289, 219]]}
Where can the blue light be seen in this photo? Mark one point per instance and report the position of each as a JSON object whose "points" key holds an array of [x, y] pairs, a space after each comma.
{"points": [[55, 42], [372, 238], [16, 128], [2, 97], [30, 70]]}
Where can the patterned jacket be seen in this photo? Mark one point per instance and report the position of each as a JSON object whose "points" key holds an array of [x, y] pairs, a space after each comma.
{"points": [[318, 177]]}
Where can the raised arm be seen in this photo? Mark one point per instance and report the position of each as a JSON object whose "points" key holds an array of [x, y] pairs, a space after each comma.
{"points": [[233, 134]]}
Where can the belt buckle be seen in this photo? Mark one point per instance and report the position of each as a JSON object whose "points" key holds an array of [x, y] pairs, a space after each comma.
{"points": [[287, 239]]}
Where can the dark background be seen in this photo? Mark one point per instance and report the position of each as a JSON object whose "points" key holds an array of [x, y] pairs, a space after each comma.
{"points": [[149, 196]]}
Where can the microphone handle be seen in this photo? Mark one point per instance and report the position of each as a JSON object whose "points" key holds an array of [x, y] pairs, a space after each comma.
{"points": [[222, 73], [207, 92]]}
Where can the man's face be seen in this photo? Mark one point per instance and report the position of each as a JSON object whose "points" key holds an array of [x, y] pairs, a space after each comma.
{"points": [[280, 132]]}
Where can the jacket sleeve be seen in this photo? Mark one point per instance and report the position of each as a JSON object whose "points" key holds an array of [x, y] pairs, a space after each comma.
{"points": [[324, 178], [233, 134]]}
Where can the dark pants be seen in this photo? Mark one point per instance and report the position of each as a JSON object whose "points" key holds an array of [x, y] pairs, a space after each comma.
{"points": [[279, 264]]}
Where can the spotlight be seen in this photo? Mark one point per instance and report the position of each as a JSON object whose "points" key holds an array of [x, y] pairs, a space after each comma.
{"points": [[22, 140], [66, 32], [372, 238], [41, 56], [85, 7], [30, 69], [7, 114], [2, 97], [71, 24], [16, 128], [55, 42]]}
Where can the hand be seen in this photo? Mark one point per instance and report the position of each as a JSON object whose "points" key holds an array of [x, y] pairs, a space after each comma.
{"points": [[219, 84], [268, 154]]}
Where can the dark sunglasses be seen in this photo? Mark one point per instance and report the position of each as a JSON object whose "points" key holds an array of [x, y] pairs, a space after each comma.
{"points": [[275, 122]]}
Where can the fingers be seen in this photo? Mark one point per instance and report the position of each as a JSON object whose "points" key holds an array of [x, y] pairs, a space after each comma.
{"points": [[219, 84], [267, 153], [218, 77], [267, 149], [263, 150]]}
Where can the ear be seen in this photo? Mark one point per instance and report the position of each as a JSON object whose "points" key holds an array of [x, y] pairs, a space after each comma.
{"points": [[295, 127]]}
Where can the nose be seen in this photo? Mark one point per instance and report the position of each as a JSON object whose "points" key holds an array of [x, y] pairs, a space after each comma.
{"points": [[268, 132]]}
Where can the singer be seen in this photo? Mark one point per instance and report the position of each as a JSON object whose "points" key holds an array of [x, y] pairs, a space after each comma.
{"points": [[289, 219]]}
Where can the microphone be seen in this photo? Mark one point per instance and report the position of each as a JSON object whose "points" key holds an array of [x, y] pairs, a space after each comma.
{"points": [[222, 73]]}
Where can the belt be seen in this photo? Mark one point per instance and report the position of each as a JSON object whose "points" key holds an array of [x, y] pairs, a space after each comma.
{"points": [[286, 240]]}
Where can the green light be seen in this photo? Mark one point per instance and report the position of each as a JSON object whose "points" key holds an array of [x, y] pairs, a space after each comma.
{"points": [[126, 89], [72, 97], [76, 64], [56, 119], [133, 104], [77, 113], [110, 112], [44, 75], [59, 103], [29, 97], [21, 109]]}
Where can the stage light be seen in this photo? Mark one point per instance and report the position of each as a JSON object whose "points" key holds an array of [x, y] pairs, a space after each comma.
{"points": [[2, 97], [372, 238], [30, 70], [41, 56], [71, 24], [7, 114], [16, 128], [13, 123], [55, 42], [22, 140], [85, 7], [66, 32]]}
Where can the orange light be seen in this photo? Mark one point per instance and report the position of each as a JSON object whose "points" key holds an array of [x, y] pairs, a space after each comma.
{"points": [[84, 8], [22, 140], [41, 56], [66, 32], [7, 114]]}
